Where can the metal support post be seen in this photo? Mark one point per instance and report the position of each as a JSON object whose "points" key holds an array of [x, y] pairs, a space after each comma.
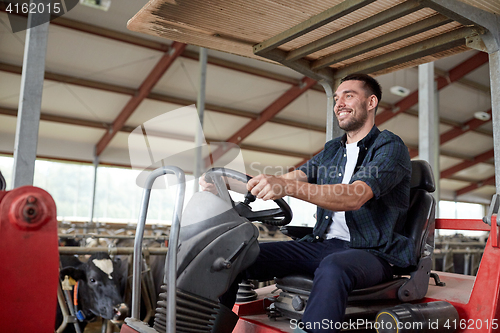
{"points": [[494, 58], [94, 186], [332, 126], [30, 99], [488, 42], [200, 103], [436, 148], [427, 118]]}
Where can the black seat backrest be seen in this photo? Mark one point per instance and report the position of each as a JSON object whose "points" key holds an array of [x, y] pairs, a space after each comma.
{"points": [[419, 225]]}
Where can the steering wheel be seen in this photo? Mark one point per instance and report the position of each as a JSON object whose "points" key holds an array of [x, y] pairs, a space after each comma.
{"points": [[276, 217]]}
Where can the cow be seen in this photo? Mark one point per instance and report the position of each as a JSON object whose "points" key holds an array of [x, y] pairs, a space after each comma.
{"points": [[97, 290]]}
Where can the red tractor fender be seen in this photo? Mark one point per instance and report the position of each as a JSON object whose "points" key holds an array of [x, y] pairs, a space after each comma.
{"points": [[29, 260]]}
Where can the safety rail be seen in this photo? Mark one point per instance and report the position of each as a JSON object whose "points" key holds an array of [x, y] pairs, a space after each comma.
{"points": [[483, 300], [171, 263], [464, 224]]}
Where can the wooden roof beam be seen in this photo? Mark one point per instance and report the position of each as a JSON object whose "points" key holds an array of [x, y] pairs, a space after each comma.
{"points": [[475, 186], [454, 74], [60, 119], [457, 130], [268, 113], [454, 124], [164, 47], [144, 90], [468, 126], [467, 164], [278, 105], [463, 81], [129, 129], [461, 166], [160, 97], [414, 152]]}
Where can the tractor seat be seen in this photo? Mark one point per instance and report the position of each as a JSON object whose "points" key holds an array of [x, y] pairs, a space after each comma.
{"points": [[409, 283]]}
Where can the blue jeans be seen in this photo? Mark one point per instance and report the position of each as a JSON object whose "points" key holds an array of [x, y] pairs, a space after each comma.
{"points": [[337, 270]]}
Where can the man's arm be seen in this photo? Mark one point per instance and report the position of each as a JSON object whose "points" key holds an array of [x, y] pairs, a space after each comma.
{"points": [[337, 197], [297, 175], [390, 164]]}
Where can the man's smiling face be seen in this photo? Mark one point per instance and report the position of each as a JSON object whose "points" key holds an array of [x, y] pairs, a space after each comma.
{"points": [[351, 105]]}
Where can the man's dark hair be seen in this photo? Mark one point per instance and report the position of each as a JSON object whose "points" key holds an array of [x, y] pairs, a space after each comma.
{"points": [[371, 85]]}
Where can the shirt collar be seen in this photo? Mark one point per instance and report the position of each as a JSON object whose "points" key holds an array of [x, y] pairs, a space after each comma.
{"points": [[367, 141]]}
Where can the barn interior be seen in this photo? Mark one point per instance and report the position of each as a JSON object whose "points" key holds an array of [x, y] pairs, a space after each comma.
{"points": [[104, 83]]}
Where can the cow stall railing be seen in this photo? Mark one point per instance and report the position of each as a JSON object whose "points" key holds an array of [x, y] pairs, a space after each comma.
{"points": [[68, 312], [110, 250], [118, 237], [111, 228], [470, 257]]}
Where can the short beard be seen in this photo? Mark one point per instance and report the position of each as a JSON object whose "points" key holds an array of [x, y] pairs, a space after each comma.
{"points": [[355, 124]]}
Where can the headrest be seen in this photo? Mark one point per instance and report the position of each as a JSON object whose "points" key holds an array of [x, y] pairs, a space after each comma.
{"points": [[422, 176]]}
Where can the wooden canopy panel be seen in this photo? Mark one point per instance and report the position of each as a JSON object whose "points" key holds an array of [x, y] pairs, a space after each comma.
{"points": [[323, 39]]}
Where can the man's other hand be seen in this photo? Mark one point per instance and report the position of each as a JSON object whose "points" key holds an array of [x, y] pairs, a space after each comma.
{"points": [[206, 186]]}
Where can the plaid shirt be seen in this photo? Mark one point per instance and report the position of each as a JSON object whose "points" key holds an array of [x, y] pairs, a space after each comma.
{"points": [[384, 165]]}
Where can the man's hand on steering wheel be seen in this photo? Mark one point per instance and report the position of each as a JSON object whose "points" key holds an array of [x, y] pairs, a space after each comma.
{"points": [[206, 186], [267, 187], [231, 184]]}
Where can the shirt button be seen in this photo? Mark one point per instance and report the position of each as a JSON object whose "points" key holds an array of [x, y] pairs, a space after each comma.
{"points": [[345, 155], [317, 237], [340, 174], [326, 217]]}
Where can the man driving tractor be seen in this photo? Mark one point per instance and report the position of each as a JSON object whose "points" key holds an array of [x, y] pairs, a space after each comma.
{"points": [[360, 183]]}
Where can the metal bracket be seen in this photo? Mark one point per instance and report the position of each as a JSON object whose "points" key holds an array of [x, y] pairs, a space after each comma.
{"points": [[468, 14], [476, 42], [493, 209]]}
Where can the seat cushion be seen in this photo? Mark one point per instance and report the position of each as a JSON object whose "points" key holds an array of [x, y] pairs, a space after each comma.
{"points": [[302, 285]]}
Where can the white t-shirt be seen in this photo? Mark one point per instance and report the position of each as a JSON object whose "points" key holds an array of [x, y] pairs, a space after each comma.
{"points": [[338, 228]]}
